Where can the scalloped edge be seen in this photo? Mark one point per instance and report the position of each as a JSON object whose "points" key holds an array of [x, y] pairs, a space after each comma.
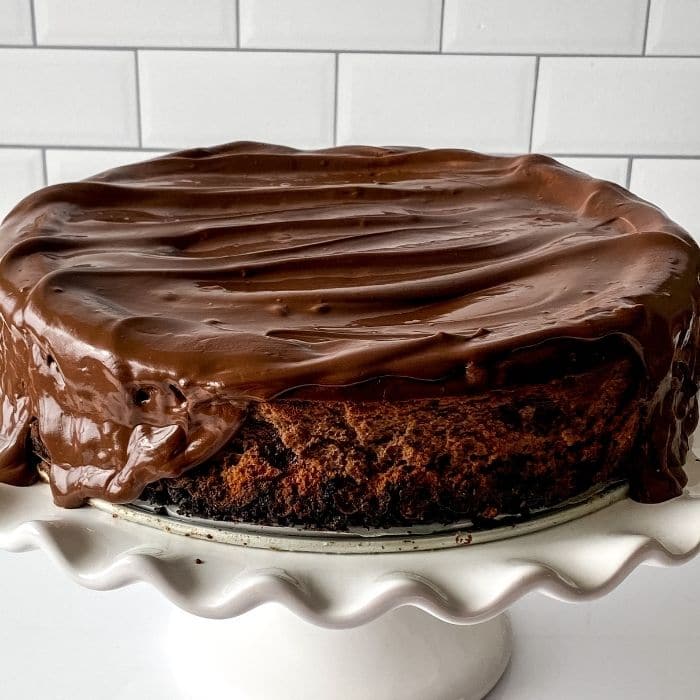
{"points": [[580, 560]]}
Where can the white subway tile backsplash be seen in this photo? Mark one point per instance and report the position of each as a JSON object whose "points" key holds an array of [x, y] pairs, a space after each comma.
{"points": [[21, 172], [480, 102], [544, 26], [612, 169], [672, 185], [388, 25], [196, 98], [15, 22], [203, 23], [68, 97], [466, 73], [646, 106], [674, 27], [64, 165]]}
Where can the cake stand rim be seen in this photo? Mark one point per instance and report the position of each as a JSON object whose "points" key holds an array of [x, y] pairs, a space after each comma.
{"points": [[579, 560]]}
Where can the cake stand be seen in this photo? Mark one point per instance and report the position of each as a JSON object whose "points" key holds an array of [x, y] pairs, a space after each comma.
{"points": [[402, 616]]}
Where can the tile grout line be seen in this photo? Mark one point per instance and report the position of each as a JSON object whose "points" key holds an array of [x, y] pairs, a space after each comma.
{"points": [[45, 170], [238, 24], [534, 102], [646, 29], [62, 147], [442, 25], [628, 176], [635, 156], [161, 149], [361, 52], [138, 97], [335, 101], [32, 14]]}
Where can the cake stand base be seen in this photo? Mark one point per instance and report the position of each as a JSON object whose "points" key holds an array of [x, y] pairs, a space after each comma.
{"points": [[406, 654]]}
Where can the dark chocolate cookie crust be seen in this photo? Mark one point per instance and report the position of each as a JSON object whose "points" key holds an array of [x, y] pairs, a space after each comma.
{"points": [[335, 464]]}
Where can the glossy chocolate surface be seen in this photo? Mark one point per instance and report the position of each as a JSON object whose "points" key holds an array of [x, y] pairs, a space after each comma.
{"points": [[145, 307]]}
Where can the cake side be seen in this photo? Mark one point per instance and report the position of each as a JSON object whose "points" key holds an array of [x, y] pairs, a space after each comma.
{"points": [[335, 464]]}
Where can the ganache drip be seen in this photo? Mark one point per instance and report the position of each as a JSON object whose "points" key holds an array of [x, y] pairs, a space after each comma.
{"points": [[144, 308]]}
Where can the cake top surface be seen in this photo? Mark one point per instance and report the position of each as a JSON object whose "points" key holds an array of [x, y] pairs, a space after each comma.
{"points": [[261, 268], [171, 292]]}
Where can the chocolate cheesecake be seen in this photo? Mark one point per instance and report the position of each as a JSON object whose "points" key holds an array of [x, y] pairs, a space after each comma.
{"points": [[349, 337]]}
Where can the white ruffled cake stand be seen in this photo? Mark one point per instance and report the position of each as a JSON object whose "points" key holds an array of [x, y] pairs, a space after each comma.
{"points": [[401, 616]]}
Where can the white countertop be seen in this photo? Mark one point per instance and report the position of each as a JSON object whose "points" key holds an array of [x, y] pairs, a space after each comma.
{"points": [[60, 641]]}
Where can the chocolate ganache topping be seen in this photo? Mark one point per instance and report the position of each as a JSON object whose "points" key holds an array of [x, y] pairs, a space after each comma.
{"points": [[144, 308]]}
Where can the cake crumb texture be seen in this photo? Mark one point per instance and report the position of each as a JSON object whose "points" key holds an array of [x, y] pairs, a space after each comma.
{"points": [[335, 464]]}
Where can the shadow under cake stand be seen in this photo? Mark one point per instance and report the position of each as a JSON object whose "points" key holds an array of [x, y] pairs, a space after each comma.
{"points": [[401, 615]]}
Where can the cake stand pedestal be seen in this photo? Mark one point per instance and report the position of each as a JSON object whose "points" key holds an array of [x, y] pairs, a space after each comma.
{"points": [[358, 622], [406, 654]]}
